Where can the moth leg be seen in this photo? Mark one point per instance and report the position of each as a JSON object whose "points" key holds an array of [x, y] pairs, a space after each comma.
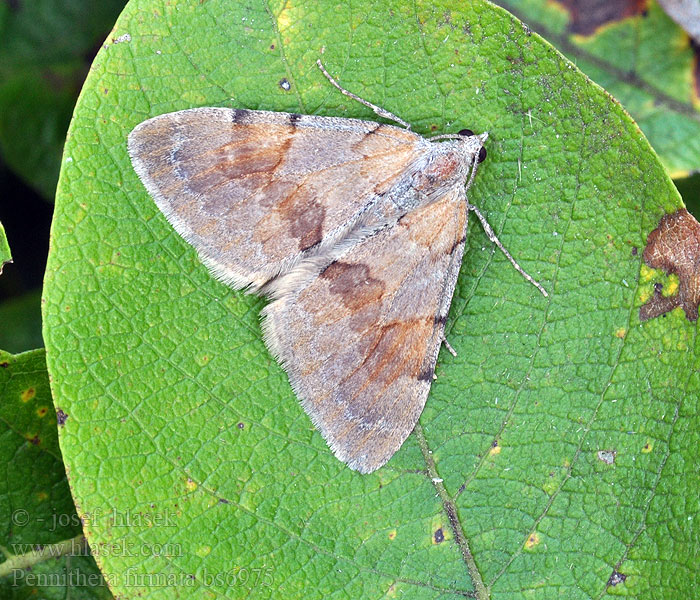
{"points": [[449, 347], [377, 109], [492, 236]]}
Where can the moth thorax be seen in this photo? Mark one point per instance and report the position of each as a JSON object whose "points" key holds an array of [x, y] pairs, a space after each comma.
{"points": [[443, 170]]}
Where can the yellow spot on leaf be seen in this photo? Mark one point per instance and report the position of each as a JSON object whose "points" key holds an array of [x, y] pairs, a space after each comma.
{"points": [[646, 274], [41, 411], [495, 449], [671, 288], [392, 534], [648, 447], [283, 19], [203, 551], [41, 496], [532, 540], [551, 485], [190, 485], [28, 394], [621, 332], [675, 342]]}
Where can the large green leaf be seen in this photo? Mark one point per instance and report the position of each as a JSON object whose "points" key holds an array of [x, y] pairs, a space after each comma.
{"points": [[44, 555], [555, 454], [639, 55]]}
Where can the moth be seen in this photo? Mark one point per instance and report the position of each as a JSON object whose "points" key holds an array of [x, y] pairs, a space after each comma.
{"points": [[354, 229]]}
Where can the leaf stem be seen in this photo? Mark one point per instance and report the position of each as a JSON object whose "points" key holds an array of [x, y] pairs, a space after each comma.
{"points": [[482, 592]]}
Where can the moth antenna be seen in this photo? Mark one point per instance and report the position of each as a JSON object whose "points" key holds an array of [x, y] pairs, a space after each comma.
{"points": [[492, 236], [377, 109]]}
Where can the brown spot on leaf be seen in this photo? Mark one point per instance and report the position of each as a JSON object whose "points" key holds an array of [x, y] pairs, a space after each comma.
{"points": [[616, 578], [674, 246], [635, 250], [61, 417], [353, 283], [439, 536], [658, 306], [4, 364], [587, 15]]}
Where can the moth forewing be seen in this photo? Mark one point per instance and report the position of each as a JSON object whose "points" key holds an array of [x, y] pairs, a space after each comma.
{"points": [[254, 192]]}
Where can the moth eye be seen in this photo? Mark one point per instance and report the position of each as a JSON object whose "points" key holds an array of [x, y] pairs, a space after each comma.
{"points": [[482, 154], [466, 132]]}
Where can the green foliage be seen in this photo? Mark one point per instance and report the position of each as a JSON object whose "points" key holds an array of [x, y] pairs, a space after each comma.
{"points": [[34, 497], [45, 51], [645, 61], [21, 323], [563, 435]]}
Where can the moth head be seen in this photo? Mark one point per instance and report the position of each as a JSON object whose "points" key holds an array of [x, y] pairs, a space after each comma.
{"points": [[469, 133]]}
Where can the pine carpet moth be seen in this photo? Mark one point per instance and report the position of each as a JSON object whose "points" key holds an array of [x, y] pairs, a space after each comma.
{"points": [[354, 229]]}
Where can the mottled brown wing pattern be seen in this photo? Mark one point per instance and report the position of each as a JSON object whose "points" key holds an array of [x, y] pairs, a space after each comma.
{"points": [[255, 191], [361, 340]]}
